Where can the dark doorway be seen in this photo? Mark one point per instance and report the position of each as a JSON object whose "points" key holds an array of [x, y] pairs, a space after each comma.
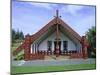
{"points": [[55, 46]]}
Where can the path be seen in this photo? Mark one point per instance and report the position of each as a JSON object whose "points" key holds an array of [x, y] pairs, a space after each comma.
{"points": [[54, 62]]}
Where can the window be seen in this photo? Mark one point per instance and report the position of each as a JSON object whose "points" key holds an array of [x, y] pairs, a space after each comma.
{"points": [[65, 45], [49, 45]]}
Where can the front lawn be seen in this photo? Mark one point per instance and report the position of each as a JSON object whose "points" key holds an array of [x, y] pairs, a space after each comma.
{"points": [[35, 69]]}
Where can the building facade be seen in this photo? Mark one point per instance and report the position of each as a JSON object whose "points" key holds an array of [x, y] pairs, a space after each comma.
{"points": [[56, 38]]}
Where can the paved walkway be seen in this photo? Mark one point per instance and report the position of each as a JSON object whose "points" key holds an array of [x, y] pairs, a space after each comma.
{"points": [[53, 62]]}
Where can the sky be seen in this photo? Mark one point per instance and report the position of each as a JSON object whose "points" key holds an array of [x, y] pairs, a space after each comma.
{"points": [[30, 17]]}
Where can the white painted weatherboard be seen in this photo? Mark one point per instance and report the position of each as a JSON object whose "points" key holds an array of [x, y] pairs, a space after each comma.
{"points": [[71, 45]]}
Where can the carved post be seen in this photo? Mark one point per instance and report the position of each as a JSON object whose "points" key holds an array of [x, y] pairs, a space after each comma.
{"points": [[57, 35], [27, 48], [84, 46]]}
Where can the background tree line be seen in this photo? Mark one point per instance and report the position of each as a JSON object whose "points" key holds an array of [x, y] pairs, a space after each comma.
{"points": [[17, 35], [91, 37]]}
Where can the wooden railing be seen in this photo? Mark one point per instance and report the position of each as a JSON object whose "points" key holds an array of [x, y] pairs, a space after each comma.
{"points": [[41, 54], [61, 53]]}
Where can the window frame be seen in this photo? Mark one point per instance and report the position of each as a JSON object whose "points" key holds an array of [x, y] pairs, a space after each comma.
{"points": [[49, 45], [65, 45]]}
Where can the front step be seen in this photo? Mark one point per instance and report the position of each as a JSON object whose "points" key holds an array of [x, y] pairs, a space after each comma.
{"points": [[53, 57]]}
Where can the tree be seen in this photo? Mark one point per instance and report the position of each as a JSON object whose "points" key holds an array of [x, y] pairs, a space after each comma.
{"points": [[21, 35], [17, 35], [91, 36], [13, 35]]}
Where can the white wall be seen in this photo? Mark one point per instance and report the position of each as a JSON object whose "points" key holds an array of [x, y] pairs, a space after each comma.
{"points": [[71, 44]]}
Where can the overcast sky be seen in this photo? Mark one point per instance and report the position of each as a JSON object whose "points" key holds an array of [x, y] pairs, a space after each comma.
{"points": [[30, 17]]}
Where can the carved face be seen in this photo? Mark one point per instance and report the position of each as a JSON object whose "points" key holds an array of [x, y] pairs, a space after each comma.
{"points": [[57, 47]]}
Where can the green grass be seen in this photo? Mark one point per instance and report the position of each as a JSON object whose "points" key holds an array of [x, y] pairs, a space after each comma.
{"points": [[34, 69]]}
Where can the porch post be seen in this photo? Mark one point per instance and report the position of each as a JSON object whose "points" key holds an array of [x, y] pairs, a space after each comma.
{"points": [[36, 48], [31, 49]]}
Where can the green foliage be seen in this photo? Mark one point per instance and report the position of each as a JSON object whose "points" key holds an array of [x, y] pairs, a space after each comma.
{"points": [[13, 35], [21, 35], [17, 35], [91, 36], [19, 57]]}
